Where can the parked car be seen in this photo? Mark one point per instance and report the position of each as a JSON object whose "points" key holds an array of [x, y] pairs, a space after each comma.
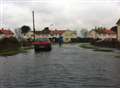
{"points": [[42, 43]]}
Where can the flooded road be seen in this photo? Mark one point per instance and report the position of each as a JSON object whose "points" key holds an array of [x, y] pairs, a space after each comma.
{"points": [[65, 67]]}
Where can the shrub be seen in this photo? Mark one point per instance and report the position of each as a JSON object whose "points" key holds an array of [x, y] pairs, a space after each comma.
{"points": [[9, 43], [25, 43], [80, 40], [111, 43]]}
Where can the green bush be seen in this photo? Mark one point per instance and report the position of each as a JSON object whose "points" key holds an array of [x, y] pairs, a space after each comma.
{"points": [[9, 43], [26, 43]]}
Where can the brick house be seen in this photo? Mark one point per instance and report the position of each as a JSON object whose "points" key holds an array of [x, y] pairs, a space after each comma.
{"points": [[6, 33]]}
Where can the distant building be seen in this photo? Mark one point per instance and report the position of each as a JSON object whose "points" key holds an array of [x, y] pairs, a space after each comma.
{"points": [[118, 30], [108, 34], [68, 35], [28, 35], [50, 34], [105, 34], [6, 33], [56, 33], [92, 34]]}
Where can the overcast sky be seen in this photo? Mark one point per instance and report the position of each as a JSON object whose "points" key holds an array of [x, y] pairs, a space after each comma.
{"points": [[72, 14]]}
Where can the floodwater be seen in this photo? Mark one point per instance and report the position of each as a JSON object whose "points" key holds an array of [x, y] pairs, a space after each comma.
{"points": [[64, 67]]}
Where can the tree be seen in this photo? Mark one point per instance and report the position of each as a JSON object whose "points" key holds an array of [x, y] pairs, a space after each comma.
{"points": [[18, 34], [46, 30], [25, 29], [99, 30], [84, 32], [114, 29]]}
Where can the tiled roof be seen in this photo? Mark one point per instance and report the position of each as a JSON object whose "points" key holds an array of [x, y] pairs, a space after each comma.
{"points": [[118, 22], [53, 32], [108, 32], [57, 32], [6, 32]]}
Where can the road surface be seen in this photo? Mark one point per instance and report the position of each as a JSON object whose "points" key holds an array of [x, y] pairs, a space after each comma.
{"points": [[65, 67]]}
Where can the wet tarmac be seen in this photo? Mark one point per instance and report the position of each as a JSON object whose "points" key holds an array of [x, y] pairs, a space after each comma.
{"points": [[64, 67]]}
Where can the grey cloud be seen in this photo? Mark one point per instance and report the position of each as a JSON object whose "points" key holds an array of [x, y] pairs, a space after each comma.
{"points": [[66, 13]]}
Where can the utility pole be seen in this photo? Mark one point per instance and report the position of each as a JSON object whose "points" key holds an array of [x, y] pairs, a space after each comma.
{"points": [[33, 24]]}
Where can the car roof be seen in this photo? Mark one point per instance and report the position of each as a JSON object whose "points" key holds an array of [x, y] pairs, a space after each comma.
{"points": [[41, 37]]}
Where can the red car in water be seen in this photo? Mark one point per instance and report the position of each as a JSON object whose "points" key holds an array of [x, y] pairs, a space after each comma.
{"points": [[42, 43]]}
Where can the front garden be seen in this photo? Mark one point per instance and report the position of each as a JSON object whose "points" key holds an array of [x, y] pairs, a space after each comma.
{"points": [[11, 46]]}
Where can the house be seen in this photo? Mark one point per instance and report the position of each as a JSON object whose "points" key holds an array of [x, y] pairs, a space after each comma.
{"points": [[92, 34], [50, 34], [118, 30], [68, 35], [56, 33], [109, 34], [6, 33], [28, 35], [105, 34]]}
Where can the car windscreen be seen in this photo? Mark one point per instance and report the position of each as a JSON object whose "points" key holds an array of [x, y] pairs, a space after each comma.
{"points": [[41, 40]]}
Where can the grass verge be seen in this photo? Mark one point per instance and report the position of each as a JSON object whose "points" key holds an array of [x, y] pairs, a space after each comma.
{"points": [[87, 46], [94, 48], [117, 56], [103, 50], [12, 52], [27, 48]]}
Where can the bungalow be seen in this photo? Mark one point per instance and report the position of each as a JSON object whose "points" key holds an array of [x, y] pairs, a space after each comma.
{"points": [[118, 30], [6, 33]]}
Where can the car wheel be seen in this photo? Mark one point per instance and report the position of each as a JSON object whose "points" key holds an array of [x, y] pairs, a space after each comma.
{"points": [[36, 48], [49, 49]]}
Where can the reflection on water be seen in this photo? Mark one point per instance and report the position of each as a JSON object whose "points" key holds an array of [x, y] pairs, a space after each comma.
{"points": [[61, 68]]}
